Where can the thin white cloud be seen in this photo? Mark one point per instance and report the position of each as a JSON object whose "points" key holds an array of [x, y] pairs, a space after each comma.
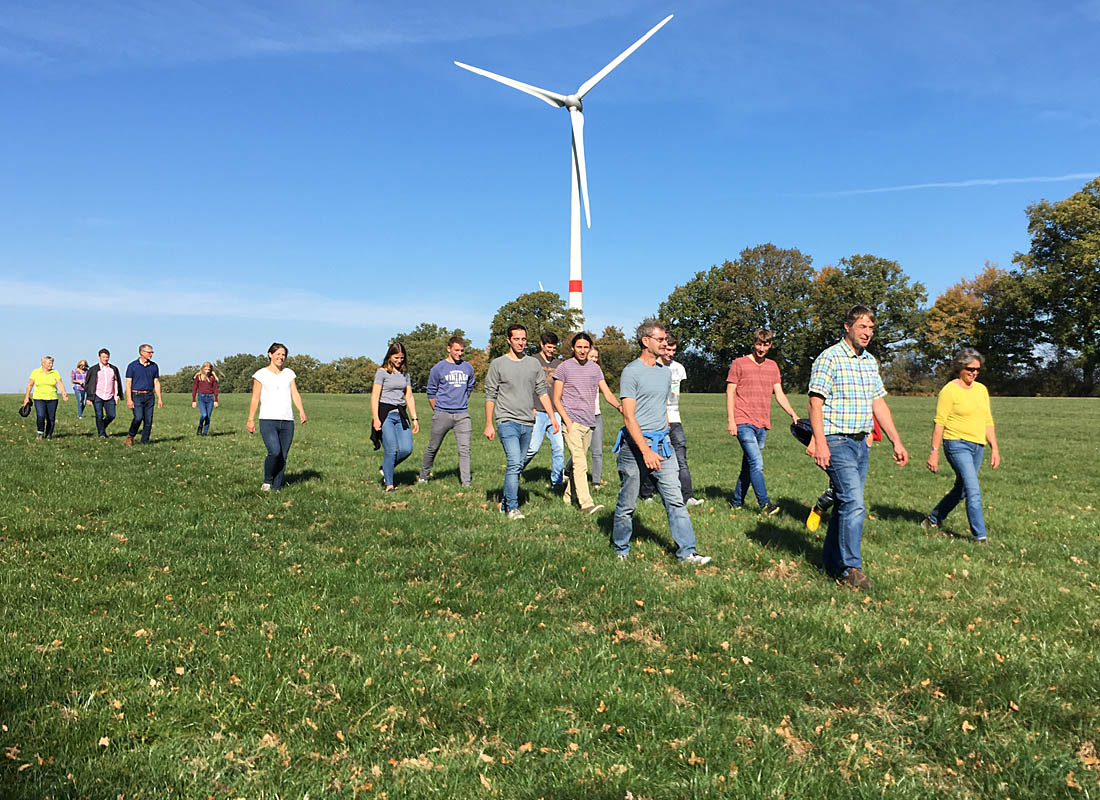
{"points": [[119, 32], [228, 303], [1076, 176]]}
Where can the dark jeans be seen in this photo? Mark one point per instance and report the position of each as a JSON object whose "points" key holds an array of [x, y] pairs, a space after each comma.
{"points": [[104, 414], [277, 435], [45, 413], [679, 444], [143, 414], [206, 408]]}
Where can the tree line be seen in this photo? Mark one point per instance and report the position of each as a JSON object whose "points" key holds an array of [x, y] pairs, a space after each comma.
{"points": [[1037, 325]]}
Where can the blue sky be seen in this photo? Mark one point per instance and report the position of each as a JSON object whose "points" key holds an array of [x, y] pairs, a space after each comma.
{"points": [[211, 177]]}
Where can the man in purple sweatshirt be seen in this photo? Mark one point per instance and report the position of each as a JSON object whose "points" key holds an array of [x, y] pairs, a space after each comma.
{"points": [[449, 385]]}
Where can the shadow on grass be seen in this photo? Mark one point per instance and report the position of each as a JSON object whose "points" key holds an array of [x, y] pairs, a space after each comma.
{"points": [[801, 545], [304, 476], [606, 523], [496, 497], [889, 513], [714, 494]]}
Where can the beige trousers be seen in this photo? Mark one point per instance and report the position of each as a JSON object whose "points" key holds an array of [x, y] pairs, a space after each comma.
{"points": [[578, 440]]}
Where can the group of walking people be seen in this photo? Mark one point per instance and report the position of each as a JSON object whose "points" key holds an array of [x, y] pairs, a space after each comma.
{"points": [[532, 398], [104, 387]]}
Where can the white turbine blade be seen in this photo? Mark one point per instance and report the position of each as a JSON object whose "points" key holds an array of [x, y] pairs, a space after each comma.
{"points": [[577, 118], [586, 87], [551, 98]]}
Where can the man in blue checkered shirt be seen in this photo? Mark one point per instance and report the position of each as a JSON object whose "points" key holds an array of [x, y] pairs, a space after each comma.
{"points": [[846, 396]]}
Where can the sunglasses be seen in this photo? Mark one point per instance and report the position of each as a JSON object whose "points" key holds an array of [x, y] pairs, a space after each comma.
{"points": [[975, 370]]}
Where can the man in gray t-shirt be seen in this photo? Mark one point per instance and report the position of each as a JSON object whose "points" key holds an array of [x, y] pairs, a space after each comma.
{"points": [[643, 444], [512, 381]]}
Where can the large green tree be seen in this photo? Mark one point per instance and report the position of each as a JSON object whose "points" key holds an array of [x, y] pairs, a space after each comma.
{"points": [[236, 371], [539, 312], [877, 283], [1062, 269], [616, 351], [716, 312], [425, 345]]}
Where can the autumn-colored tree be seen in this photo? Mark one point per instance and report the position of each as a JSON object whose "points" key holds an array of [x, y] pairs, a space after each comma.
{"points": [[991, 312]]}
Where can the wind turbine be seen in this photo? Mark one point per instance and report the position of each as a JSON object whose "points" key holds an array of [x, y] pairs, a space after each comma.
{"points": [[579, 176]]}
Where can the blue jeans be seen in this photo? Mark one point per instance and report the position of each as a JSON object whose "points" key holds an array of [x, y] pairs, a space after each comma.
{"points": [[667, 479], [679, 444], [143, 415], [45, 414], [848, 472], [543, 427], [206, 408], [81, 399], [277, 435], [514, 438], [104, 414], [966, 459], [752, 441], [397, 444]]}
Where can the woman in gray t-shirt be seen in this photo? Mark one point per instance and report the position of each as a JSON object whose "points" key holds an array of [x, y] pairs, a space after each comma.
{"points": [[392, 408]]}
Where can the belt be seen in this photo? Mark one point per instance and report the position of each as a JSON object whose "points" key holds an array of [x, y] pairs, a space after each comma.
{"points": [[141, 391], [859, 436]]}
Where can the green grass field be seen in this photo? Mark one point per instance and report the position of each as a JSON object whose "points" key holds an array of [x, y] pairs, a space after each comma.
{"points": [[169, 631]]}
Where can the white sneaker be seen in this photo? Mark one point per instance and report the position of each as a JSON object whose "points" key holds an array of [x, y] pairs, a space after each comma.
{"points": [[421, 480], [694, 501], [622, 556], [515, 513], [695, 558], [593, 509], [265, 487]]}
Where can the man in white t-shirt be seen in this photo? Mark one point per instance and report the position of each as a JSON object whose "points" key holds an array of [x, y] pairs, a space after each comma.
{"points": [[675, 428]]}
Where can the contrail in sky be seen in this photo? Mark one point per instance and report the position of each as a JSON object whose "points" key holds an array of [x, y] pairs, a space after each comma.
{"points": [[964, 184]]}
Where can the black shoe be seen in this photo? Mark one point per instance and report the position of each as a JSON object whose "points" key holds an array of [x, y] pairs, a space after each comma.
{"points": [[199, 431], [769, 510]]}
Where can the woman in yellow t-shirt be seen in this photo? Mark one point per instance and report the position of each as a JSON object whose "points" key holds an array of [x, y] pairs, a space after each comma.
{"points": [[46, 383], [963, 424]]}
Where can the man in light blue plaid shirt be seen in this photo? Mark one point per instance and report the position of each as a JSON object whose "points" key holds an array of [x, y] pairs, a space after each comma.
{"points": [[846, 396]]}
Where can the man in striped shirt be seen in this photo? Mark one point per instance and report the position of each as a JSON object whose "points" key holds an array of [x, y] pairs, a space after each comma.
{"points": [[846, 396]]}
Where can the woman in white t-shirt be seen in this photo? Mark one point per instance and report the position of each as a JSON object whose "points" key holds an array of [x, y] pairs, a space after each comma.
{"points": [[273, 391]]}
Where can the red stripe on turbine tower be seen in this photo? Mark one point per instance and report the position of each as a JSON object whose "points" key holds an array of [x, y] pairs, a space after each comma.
{"points": [[574, 286]]}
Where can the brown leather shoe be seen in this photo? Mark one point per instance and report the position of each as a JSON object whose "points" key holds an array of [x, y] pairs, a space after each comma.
{"points": [[129, 441], [856, 579]]}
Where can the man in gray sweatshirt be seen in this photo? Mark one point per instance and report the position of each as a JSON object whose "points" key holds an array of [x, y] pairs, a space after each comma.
{"points": [[449, 385], [512, 380]]}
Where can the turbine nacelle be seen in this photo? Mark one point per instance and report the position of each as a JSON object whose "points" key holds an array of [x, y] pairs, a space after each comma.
{"points": [[573, 102]]}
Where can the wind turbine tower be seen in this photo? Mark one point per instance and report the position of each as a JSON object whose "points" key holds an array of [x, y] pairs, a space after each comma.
{"points": [[578, 174]]}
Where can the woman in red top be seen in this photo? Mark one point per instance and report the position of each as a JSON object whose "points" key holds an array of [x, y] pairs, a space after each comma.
{"points": [[204, 396]]}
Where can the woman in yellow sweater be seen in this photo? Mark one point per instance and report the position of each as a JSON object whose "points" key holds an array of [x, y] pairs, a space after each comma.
{"points": [[963, 424]]}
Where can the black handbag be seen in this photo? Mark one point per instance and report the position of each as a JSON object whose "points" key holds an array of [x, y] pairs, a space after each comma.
{"points": [[25, 409]]}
